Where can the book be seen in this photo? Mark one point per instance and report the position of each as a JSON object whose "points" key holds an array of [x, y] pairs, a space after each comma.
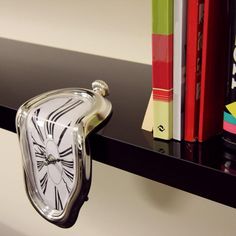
{"points": [[229, 116], [179, 67], [162, 68], [195, 10], [214, 68]]}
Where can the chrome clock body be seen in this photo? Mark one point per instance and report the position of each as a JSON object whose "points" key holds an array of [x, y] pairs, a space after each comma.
{"points": [[53, 130]]}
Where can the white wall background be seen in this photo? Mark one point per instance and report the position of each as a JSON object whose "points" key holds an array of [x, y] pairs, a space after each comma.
{"points": [[120, 203], [119, 29]]}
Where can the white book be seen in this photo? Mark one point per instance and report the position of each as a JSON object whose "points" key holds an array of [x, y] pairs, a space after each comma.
{"points": [[179, 67]]}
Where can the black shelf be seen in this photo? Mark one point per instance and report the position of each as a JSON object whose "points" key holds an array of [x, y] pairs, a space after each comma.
{"points": [[27, 70]]}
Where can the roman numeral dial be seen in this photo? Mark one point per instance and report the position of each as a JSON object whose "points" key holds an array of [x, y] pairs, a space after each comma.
{"points": [[44, 182], [66, 152], [54, 130], [52, 139], [55, 115], [57, 198], [35, 122], [69, 164], [40, 165]]}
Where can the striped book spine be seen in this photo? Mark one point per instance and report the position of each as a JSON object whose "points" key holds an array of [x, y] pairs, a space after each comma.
{"points": [[162, 68]]}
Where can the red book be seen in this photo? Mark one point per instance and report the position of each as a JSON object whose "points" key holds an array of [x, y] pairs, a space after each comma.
{"points": [[214, 68], [193, 68]]}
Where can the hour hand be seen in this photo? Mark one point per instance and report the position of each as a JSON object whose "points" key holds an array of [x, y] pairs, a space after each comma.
{"points": [[50, 159]]}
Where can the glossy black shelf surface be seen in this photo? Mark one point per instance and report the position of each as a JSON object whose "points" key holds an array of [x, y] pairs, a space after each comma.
{"points": [[27, 70]]}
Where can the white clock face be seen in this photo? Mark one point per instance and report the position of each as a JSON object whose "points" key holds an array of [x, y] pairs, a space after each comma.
{"points": [[53, 159]]}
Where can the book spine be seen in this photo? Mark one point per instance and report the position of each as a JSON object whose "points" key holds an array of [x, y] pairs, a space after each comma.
{"points": [[162, 68], [179, 65], [214, 69], [229, 120], [193, 69]]}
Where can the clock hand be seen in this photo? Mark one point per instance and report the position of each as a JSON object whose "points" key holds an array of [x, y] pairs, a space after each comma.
{"points": [[50, 159]]}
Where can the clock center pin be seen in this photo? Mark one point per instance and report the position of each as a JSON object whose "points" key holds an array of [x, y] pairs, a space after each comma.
{"points": [[53, 164]]}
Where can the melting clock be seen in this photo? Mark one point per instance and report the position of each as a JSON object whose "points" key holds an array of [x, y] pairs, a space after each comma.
{"points": [[53, 130]]}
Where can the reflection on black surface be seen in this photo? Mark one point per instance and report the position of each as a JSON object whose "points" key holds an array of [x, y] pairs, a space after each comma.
{"points": [[169, 148], [211, 153], [229, 167], [229, 161], [172, 148], [190, 151]]}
